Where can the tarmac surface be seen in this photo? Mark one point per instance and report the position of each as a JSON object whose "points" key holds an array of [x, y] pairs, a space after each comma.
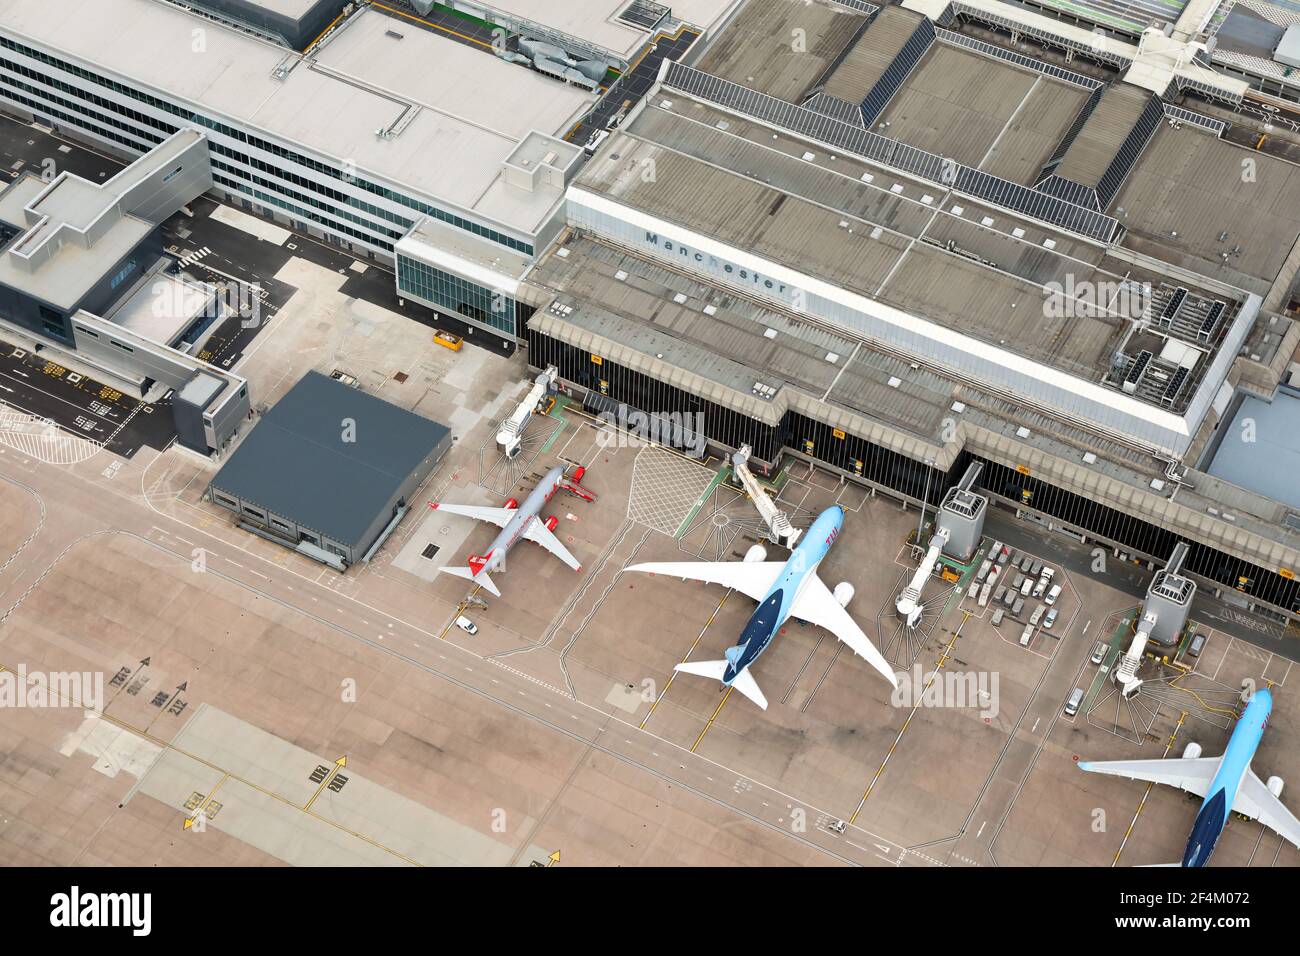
{"points": [[260, 709]]}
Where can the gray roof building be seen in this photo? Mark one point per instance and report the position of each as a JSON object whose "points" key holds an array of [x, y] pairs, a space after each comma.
{"points": [[329, 467]]}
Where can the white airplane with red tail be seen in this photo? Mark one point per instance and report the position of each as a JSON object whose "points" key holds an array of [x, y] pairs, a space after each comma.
{"points": [[519, 521]]}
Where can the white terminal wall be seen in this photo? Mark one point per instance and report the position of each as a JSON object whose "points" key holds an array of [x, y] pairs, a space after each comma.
{"points": [[1165, 432]]}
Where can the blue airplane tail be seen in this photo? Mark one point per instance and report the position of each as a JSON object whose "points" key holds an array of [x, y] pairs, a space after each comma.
{"points": [[743, 682]]}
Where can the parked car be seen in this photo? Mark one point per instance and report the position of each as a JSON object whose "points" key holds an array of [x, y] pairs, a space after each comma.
{"points": [[1072, 705]]}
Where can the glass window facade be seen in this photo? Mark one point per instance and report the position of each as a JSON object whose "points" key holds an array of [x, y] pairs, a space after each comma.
{"points": [[139, 131], [446, 291], [907, 476], [1134, 534]]}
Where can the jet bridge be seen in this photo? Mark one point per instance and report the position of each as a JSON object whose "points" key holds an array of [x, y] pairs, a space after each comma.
{"points": [[780, 531], [1163, 617], [909, 604], [1126, 671], [510, 435], [959, 526]]}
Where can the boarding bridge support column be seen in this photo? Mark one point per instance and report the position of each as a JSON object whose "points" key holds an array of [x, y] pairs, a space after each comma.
{"points": [[961, 516]]}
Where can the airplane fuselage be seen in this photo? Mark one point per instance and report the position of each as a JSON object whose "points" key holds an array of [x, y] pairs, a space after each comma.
{"points": [[526, 514], [774, 609], [1219, 798]]}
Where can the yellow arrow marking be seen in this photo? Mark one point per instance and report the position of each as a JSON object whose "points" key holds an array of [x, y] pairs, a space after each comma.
{"points": [[338, 765]]}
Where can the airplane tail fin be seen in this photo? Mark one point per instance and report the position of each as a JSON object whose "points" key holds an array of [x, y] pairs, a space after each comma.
{"points": [[714, 669], [469, 574], [744, 681], [746, 684]]}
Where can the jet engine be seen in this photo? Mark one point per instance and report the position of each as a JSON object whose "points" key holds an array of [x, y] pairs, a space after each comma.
{"points": [[843, 593], [756, 553], [512, 504], [1275, 786], [551, 522], [1192, 751]]}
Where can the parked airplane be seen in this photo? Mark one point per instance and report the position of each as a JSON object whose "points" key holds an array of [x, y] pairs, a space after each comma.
{"points": [[1226, 783], [783, 589], [519, 521]]}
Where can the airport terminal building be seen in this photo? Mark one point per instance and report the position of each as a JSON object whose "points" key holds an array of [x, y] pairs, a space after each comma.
{"points": [[387, 135], [1070, 290], [911, 247], [81, 268]]}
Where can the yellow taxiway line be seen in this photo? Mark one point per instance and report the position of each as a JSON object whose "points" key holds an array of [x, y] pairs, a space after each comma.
{"points": [[711, 720], [673, 676], [943, 659], [1150, 786]]}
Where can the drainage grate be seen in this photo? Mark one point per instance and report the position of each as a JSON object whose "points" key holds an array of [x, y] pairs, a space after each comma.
{"points": [[429, 551]]}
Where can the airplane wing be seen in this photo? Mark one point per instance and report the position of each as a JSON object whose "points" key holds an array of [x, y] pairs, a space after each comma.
{"points": [[817, 605], [754, 578], [498, 516], [1256, 801], [538, 533], [1193, 774]]}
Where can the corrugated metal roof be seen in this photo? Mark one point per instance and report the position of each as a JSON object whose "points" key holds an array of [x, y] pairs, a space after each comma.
{"points": [[298, 463], [872, 54], [1199, 187], [1017, 115], [758, 47], [1099, 140]]}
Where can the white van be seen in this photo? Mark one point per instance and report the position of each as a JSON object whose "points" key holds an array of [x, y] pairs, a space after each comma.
{"points": [[1072, 705], [1053, 594], [466, 625], [1099, 652], [1027, 635]]}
